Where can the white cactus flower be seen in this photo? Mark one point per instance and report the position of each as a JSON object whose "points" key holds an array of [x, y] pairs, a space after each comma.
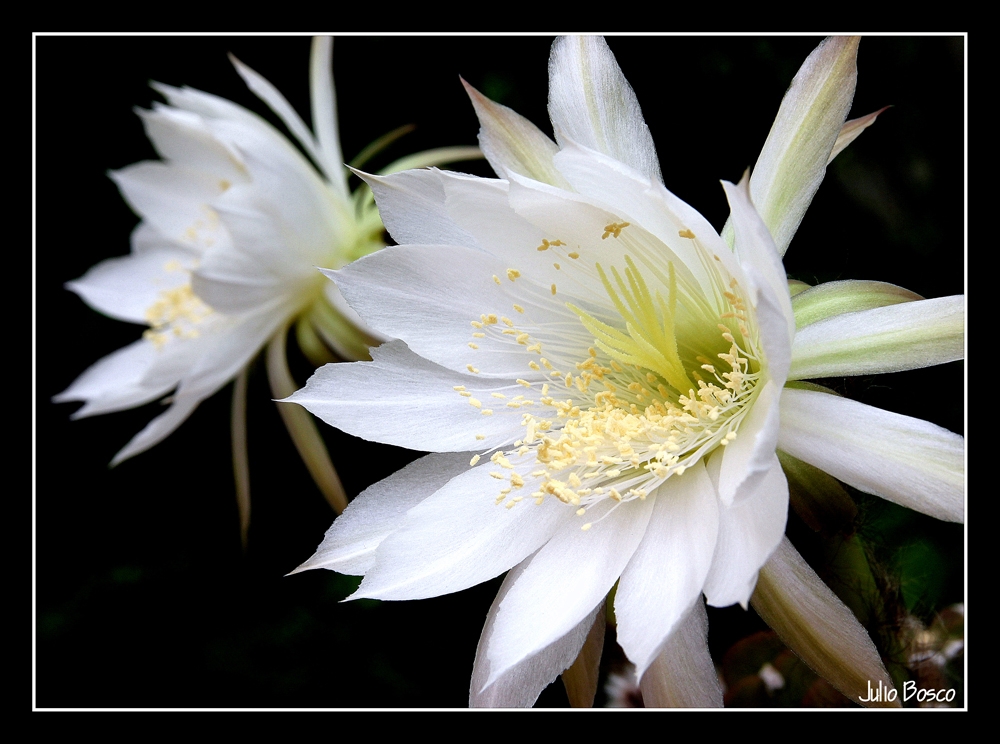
{"points": [[603, 383]]}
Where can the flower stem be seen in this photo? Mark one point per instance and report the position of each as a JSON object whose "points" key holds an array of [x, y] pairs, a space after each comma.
{"points": [[301, 426], [241, 462]]}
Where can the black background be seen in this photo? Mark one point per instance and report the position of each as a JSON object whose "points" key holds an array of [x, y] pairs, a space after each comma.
{"points": [[143, 595]]}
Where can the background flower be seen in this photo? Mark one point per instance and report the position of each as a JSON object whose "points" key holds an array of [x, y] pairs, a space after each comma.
{"points": [[170, 632]]}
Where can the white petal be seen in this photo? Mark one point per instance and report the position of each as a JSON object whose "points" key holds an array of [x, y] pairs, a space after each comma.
{"points": [[909, 335], [126, 287], [280, 106], [419, 399], [749, 531], [412, 207], [641, 202], [816, 625], [591, 102], [349, 545], [428, 296], [160, 428], [683, 675], [793, 161], [323, 99], [667, 572], [748, 459], [521, 685], [564, 581], [762, 263], [511, 142], [184, 139], [116, 382], [175, 200], [905, 460], [460, 537]]}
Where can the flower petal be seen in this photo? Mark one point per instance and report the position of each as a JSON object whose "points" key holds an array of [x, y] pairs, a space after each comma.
{"points": [[417, 396], [905, 460], [897, 337], [116, 382], [683, 675], [511, 142], [350, 543], [563, 583], [847, 296], [851, 130], [667, 572], [749, 531], [461, 536], [127, 286], [323, 102], [174, 200], [429, 295], [520, 686], [412, 206], [817, 626], [793, 161], [591, 102]]}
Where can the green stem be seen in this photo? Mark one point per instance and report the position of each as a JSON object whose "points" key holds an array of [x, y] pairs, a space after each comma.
{"points": [[241, 461]]}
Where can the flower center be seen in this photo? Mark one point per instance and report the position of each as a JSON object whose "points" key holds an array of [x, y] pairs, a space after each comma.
{"points": [[175, 314], [670, 376]]}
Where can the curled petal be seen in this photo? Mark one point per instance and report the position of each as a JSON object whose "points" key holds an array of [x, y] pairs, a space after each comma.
{"points": [[905, 460], [817, 626]]}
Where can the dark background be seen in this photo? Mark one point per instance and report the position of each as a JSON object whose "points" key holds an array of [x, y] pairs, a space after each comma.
{"points": [[144, 597]]}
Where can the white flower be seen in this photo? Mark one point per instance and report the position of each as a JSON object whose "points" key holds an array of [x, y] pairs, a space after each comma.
{"points": [[235, 221], [615, 371]]}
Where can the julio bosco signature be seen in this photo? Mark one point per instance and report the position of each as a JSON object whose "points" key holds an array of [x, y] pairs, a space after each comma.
{"points": [[882, 693]]}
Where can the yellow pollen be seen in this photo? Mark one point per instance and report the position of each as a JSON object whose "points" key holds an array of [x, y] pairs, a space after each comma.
{"points": [[587, 526], [553, 289], [685, 233], [496, 279], [480, 437], [475, 403], [474, 460], [479, 335], [614, 229], [534, 365], [513, 274], [473, 346], [573, 254], [499, 395], [476, 324], [459, 387], [556, 265], [490, 319], [487, 412], [472, 369], [519, 308]]}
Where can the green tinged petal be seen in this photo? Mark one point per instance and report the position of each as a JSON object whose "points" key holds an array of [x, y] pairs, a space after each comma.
{"points": [[910, 335], [793, 161], [511, 142], [811, 304]]}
